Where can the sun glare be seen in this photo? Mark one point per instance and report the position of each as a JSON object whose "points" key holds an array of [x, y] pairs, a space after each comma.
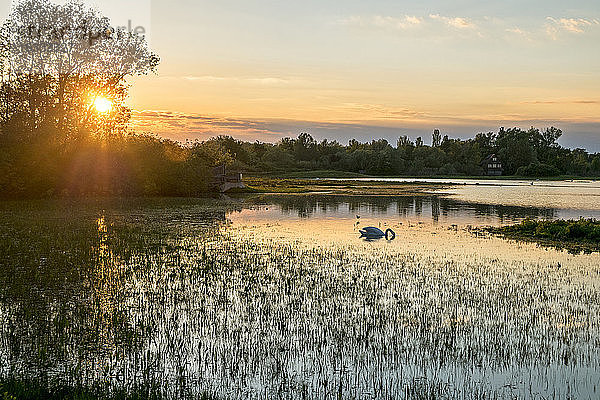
{"points": [[102, 104]]}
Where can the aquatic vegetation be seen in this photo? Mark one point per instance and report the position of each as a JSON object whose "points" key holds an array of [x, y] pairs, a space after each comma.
{"points": [[574, 235], [172, 301], [267, 184]]}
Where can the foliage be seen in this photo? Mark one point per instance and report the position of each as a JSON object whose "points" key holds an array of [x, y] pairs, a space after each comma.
{"points": [[538, 169], [525, 153], [582, 234], [138, 165], [56, 59], [39, 164]]}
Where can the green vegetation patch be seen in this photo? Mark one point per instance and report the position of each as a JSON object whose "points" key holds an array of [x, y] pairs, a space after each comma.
{"points": [[334, 186], [582, 235]]}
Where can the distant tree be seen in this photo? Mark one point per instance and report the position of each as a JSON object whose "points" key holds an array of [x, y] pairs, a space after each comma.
{"points": [[436, 138], [550, 137], [404, 141], [232, 146], [305, 147], [595, 165], [277, 157], [580, 162], [486, 143], [212, 153], [515, 149]]}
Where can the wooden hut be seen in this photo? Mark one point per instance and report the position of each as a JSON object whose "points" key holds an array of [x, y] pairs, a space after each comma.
{"points": [[223, 180]]}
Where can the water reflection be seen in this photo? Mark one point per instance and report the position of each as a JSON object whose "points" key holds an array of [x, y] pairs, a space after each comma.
{"points": [[67, 269], [432, 207]]}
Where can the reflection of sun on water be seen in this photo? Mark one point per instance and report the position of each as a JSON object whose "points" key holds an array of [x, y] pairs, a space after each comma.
{"points": [[106, 283], [102, 104]]}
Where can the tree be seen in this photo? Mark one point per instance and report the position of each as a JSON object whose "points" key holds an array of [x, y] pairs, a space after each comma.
{"points": [[57, 59], [486, 142], [515, 149], [550, 137], [436, 138], [305, 147], [403, 141]]}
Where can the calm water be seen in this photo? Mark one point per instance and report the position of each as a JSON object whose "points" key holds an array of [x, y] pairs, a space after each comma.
{"points": [[278, 297], [571, 197]]}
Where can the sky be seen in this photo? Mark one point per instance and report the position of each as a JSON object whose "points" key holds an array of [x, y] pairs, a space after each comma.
{"points": [[262, 70]]}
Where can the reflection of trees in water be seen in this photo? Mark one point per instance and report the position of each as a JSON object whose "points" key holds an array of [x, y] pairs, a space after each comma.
{"points": [[64, 271], [306, 206], [418, 206], [435, 208]]}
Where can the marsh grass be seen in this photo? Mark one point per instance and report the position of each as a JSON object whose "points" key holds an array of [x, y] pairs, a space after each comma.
{"points": [[291, 185], [170, 302], [575, 235]]}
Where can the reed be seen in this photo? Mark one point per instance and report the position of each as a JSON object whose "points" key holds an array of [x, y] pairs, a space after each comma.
{"points": [[171, 302]]}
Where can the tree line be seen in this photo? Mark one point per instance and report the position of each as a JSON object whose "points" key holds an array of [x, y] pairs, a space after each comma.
{"points": [[528, 153]]}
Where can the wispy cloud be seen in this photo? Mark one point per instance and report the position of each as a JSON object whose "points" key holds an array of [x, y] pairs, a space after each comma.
{"points": [[384, 22], [556, 26], [436, 24], [190, 126], [520, 32], [379, 111], [183, 127], [561, 102], [375, 118], [266, 81], [454, 22], [431, 23]]}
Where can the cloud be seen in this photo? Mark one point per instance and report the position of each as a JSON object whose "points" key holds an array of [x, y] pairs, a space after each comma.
{"points": [[454, 22], [436, 25], [384, 22], [183, 127], [429, 25], [265, 81], [378, 111], [556, 26], [562, 102], [520, 32], [406, 22]]}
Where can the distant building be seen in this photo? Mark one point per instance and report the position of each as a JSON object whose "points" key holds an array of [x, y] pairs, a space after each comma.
{"points": [[492, 165], [223, 181]]}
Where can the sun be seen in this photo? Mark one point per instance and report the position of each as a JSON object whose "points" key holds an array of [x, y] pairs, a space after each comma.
{"points": [[102, 104]]}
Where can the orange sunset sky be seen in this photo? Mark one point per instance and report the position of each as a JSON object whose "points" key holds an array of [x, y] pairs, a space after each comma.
{"points": [[261, 70]]}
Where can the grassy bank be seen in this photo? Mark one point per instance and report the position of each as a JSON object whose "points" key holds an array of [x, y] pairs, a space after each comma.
{"points": [[582, 235], [344, 174], [325, 173], [323, 182], [264, 184]]}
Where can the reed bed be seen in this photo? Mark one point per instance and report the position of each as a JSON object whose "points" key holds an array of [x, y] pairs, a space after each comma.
{"points": [[172, 310]]}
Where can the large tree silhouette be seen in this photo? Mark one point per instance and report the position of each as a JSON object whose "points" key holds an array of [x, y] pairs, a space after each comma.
{"points": [[55, 59]]}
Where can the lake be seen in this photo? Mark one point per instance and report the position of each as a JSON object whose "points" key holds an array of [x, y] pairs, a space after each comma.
{"points": [[277, 296]]}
